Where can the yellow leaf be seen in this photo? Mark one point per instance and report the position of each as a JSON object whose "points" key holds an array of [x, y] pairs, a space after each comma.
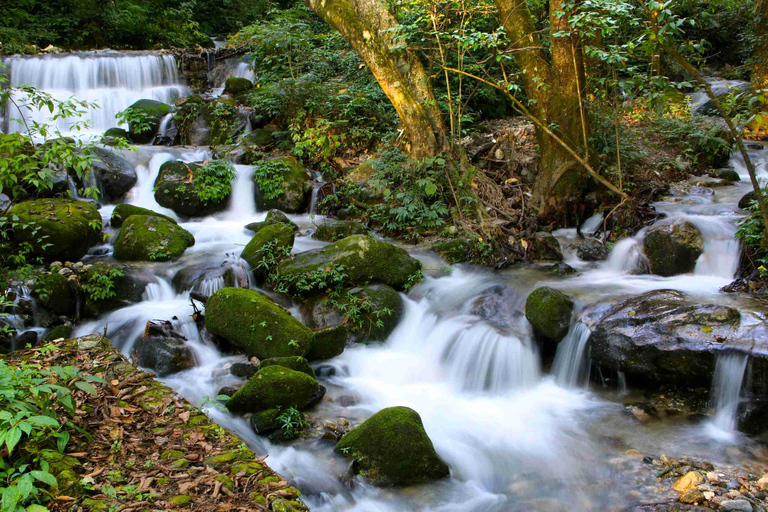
{"points": [[524, 243], [706, 328]]}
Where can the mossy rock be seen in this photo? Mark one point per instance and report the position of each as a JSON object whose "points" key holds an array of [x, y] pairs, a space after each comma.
{"points": [[726, 174], [549, 312], [114, 134], [91, 504], [273, 217], [57, 229], [296, 363], [296, 187], [274, 386], [260, 137], [265, 422], [220, 461], [127, 289], [252, 322], [333, 230], [673, 249], [362, 173], [544, 247], [281, 505], [123, 211], [155, 111], [279, 239], [234, 85], [149, 238], [55, 293], [454, 251], [180, 500], [328, 342], [380, 310], [392, 448], [114, 174], [365, 260], [165, 355], [58, 332], [224, 119], [175, 190]]}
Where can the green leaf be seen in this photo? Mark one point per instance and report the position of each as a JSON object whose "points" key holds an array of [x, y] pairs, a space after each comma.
{"points": [[37, 508], [12, 438], [88, 388], [45, 477], [706, 328], [61, 443], [43, 421]]}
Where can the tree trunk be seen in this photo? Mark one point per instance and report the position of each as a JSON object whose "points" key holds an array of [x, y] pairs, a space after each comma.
{"points": [[760, 69], [372, 30]]}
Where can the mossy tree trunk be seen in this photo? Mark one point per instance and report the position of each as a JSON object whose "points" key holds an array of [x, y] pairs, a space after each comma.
{"points": [[372, 30], [760, 67], [555, 85]]}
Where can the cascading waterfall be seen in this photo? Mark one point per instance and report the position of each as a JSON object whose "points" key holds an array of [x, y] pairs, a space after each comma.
{"points": [[112, 80], [726, 388], [571, 366]]}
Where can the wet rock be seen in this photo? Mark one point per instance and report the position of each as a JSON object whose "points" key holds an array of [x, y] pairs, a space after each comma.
{"points": [[243, 370], [753, 416], [707, 181], [328, 342], [265, 422], [642, 412], [149, 238], [292, 179], [746, 199], [692, 496], [332, 230], [296, 363], [735, 506], [727, 174], [544, 247], [688, 481], [255, 324], [365, 260], [163, 349], [56, 293], [114, 174], [234, 86], [227, 391], [370, 313], [112, 135], [126, 288], [273, 217], [549, 312], [673, 249], [233, 272], [661, 336], [268, 246], [153, 111], [392, 448], [260, 137], [455, 251], [60, 331], [57, 229], [561, 269], [124, 210], [592, 249], [274, 386], [175, 189]]}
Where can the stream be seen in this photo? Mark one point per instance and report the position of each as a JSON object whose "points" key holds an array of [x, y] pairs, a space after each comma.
{"points": [[516, 434]]}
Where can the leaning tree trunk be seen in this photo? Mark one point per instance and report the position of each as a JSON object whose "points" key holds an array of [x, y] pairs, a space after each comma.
{"points": [[760, 68], [371, 30]]}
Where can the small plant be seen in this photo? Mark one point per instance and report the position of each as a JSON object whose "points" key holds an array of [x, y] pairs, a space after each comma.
{"points": [[292, 422], [359, 311], [414, 279], [213, 181], [330, 277], [270, 176], [101, 285], [272, 253], [139, 120]]}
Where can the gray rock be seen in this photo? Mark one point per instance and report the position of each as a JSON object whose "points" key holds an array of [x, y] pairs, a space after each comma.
{"points": [[163, 350], [114, 174], [735, 506], [592, 249], [673, 249]]}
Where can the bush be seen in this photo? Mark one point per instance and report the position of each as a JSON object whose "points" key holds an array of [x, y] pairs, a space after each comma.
{"points": [[213, 181]]}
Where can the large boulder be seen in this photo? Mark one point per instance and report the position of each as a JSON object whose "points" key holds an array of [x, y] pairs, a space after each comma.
{"points": [[370, 312], [179, 186], [234, 85], [274, 386], [664, 337], [549, 312], [591, 249], [365, 260], [746, 199], [149, 238], [673, 249], [273, 217], [55, 293], [57, 229], [107, 288], [151, 112], [282, 183], [113, 173], [124, 210], [252, 322], [328, 342], [268, 246], [392, 448], [163, 350], [224, 120], [332, 230]]}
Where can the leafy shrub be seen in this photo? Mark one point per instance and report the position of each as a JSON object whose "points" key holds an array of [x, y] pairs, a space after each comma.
{"points": [[291, 422], [751, 232], [213, 181], [101, 285], [269, 176], [139, 120]]}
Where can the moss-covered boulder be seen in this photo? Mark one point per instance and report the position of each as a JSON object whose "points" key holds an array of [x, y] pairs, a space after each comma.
{"points": [[252, 322], [266, 422], [454, 251], [592, 249], [544, 247], [746, 199], [282, 183], [234, 85], [55, 293], [727, 174], [365, 260], [296, 363], [113, 173], [181, 187], [124, 210], [150, 112], [58, 332], [549, 312], [273, 217], [57, 229], [370, 312], [328, 342], [274, 386], [149, 238], [332, 230], [224, 121], [392, 448], [268, 246], [112, 135], [673, 249], [107, 288]]}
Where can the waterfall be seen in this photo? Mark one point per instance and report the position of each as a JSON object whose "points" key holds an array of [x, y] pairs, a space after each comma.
{"points": [[112, 80], [571, 367], [726, 388]]}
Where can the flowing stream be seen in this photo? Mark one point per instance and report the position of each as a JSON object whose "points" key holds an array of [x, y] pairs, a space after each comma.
{"points": [[516, 435]]}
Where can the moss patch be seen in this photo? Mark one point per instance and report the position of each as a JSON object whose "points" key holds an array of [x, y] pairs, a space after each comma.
{"points": [[146, 238], [123, 211], [274, 386]]}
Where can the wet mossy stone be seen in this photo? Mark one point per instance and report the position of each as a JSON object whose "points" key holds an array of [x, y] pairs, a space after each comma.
{"points": [[114, 134], [124, 210], [149, 238], [365, 260], [274, 241], [328, 342], [454, 251], [673, 249], [175, 190], [260, 137], [127, 288], [289, 174], [234, 85], [544, 246], [55, 293], [392, 448], [154, 111], [57, 229], [163, 354], [274, 386], [252, 322], [726, 174], [296, 363], [265, 422], [225, 120], [243, 370], [747, 199], [114, 174], [591, 249], [331, 230], [380, 310], [549, 312], [273, 217], [58, 332]]}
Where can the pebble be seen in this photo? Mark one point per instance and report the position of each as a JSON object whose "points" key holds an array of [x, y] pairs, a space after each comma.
{"points": [[733, 484], [763, 483], [692, 496], [66, 272], [736, 506], [687, 481]]}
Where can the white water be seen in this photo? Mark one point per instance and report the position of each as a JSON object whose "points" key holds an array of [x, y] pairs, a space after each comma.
{"points": [[726, 388], [112, 80], [571, 366]]}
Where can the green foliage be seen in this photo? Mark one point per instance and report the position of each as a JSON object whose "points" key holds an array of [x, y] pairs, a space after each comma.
{"points": [[272, 253], [358, 310], [331, 277], [269, 176], [37, 410], [139, 120], [101, 285], [291, 422], [751, 232], [213, 181]]}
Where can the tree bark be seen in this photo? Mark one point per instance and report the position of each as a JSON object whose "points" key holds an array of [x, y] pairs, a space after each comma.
{"points": [[760, 68], [372, 31]]}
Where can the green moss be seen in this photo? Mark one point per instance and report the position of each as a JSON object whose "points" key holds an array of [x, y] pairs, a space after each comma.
{"points": [[332, 230], [281, 505], [250, 468], [171, 455], [454, 251], [549, 312], [255, 324], [269, 480], [146, 238], [57, 229], [69, 483], [177, 188], [296, 363], [54, 293], [328, 342], [91, 504], [392, 448], [293, 178], [116, 134], [123, 211], [273, 386], [163, 481], [59, 462], [181, 463], [280, 240], [225, 481], [229, 457], [197, 419], [234, 85], [258, 498], [60, 331], [180, 500]]}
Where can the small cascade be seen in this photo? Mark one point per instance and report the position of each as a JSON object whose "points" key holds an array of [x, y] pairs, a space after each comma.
{"points": [[211, 285], [242, 203], [726, 387], [571, 367], [592, 225], [625, 256], [167, 131]]}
